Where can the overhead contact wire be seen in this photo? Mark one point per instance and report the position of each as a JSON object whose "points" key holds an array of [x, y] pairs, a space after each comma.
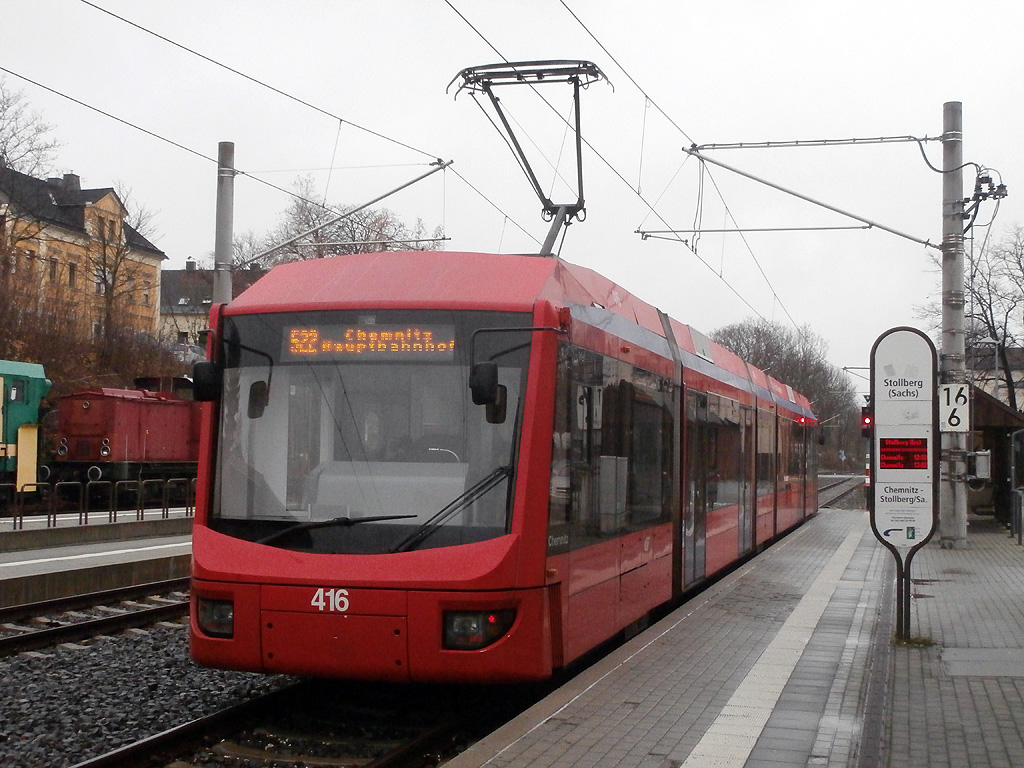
{"points": [[283, 93], [612, 168], [256, 80]]}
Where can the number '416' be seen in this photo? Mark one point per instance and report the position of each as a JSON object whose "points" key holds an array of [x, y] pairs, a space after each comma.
{"points": [[330, 600]]}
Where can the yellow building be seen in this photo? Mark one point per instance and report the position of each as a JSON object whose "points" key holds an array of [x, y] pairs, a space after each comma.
{"points": [[71, 256]]}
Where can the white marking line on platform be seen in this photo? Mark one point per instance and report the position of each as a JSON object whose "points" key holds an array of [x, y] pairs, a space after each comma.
{"points": [[732, 736], [185, 547]]}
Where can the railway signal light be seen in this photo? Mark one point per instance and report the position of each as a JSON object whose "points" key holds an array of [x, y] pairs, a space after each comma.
{"points": [[867, 422]]}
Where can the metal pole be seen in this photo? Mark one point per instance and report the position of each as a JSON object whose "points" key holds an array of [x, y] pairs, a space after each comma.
{"points": [[901, 633], [807, 199], [440, 165], [225, 222], [952, 491]]}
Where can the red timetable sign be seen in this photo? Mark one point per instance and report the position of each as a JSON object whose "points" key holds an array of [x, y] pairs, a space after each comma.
{"points": [[903, 453]]}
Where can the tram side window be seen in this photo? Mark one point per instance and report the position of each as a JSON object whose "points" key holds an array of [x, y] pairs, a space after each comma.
{"points": [[650, 459], [765, 452], [561, 442], [791, 452], [785, 454], [810, 436], [611, 461], [576, 445], [650, 454], [725, 447]]}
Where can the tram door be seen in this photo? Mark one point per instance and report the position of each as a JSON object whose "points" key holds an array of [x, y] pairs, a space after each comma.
{"points": [[697, 469]]}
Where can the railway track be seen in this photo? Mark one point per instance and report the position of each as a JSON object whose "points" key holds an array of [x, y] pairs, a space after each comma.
{"points": [[833, 490], [326, 723], [41, 625]]}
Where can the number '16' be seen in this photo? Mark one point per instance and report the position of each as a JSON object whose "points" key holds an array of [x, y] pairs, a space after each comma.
{"points": [[960, 398], [330, 600]]}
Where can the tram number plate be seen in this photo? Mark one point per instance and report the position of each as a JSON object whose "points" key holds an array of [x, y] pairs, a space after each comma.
{"points": [[335, 600]]}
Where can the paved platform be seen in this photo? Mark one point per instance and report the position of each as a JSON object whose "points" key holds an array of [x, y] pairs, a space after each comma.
{"points": [[789, 661], [45, 558]]}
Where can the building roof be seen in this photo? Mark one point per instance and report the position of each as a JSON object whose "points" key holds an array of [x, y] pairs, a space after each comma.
{"points": [[62, 202], [988, 412], [190, 291]]}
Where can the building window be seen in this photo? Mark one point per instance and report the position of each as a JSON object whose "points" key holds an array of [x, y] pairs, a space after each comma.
{"points": [[53, 270], [72, 274], [102, 281], [183, 337]]}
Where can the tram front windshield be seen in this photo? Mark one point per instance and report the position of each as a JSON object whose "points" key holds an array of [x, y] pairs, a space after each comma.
{"points": [[355, 432]]}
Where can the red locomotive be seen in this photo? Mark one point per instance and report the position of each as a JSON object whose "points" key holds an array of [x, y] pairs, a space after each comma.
{"points": [[148, 433], [434, 466]]}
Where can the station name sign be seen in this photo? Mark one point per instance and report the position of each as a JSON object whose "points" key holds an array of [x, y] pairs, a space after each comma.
{"points": [[898, 389], [904, 449]]}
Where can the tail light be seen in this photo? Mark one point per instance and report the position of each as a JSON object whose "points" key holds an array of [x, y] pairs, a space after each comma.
{"points": [[472, 630]]}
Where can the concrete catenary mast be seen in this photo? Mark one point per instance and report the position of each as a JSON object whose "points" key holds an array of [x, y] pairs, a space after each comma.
{"points": [[952, 490]]}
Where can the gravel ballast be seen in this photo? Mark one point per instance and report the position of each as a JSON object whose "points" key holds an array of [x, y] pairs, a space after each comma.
{"points": [[64, 705]]}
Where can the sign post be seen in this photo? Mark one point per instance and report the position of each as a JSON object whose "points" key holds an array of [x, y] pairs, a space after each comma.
{"points": [[904, 452]]}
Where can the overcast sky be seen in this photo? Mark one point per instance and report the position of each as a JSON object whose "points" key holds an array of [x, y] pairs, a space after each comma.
{"points": [[680, 73]]}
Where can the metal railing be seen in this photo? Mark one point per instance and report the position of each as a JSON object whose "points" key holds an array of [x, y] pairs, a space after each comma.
{"points": [[112, 498]]}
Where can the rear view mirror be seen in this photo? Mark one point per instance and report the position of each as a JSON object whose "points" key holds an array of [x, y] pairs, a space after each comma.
{"points": [[259, 396], [495, 411], [483, 382], [206, 381]]}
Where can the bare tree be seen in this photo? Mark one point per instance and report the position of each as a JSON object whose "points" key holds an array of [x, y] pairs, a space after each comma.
{"points": [[25, 141], [799, 359], [993, 304], [121, 283], [994, 300], [371, 229]]}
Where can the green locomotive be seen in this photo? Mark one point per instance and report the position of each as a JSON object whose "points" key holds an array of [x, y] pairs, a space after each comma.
{"points": [[23, 385]]}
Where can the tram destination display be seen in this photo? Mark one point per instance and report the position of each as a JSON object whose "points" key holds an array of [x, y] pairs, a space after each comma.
{"points": [[370, 342]]}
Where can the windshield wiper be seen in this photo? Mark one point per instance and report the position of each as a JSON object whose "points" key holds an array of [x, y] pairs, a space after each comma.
{"points": [[457, 504], [342, 522]]}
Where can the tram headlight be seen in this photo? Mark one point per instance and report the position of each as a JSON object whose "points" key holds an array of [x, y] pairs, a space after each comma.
{"points": [[216, 618], [471, 630]]}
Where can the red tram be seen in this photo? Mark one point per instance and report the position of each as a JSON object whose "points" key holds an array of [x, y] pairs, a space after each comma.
{"points": [[435, 466]]}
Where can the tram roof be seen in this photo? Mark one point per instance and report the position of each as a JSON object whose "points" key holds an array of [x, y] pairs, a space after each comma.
{"points": [[464, 280]]}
